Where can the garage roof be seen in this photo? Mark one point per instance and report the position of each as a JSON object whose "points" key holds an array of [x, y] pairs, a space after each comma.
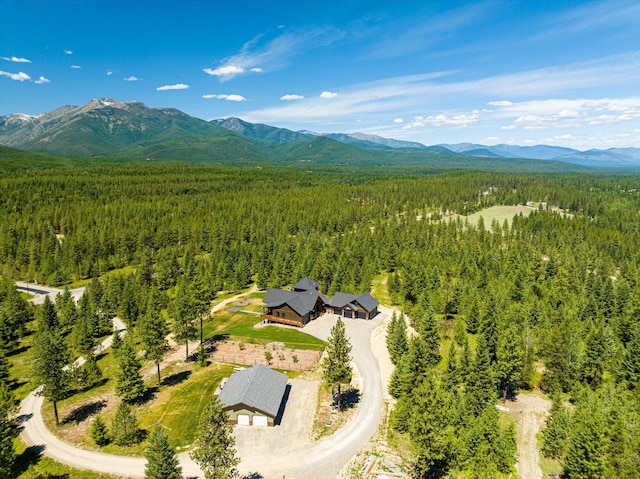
{"points": [[257, 387]]}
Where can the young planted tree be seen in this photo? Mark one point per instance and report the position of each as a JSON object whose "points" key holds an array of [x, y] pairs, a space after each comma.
{"points": [[129, 385], [162, 462], [99, 432], [124, 427], [337, 363], [153, 331], [214, 444]]}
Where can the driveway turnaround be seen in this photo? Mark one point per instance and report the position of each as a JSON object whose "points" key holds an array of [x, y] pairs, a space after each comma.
{"points": [[299, 458]]}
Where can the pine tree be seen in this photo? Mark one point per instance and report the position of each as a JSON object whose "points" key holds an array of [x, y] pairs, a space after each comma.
{"points": [[50, 357], [586, 452], [214, 444], [480, 390], [124, 427], [129, 385], [509, 361], [99, 432], [153, 331], [397, 337], [555, 435], [337, 362], [47, 316], [162, 462], [431, 336], [412, 368], [183, 312], [7, 450]]}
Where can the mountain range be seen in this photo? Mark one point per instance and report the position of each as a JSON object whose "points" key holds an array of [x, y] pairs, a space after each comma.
{"points": [[109, 128]]}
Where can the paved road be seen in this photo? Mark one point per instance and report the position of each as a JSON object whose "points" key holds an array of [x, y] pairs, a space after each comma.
{"points": [[41, 291], [324, 458]]}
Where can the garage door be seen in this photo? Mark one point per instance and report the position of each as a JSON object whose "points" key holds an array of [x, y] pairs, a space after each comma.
{"points": [[243, 419], [260, 420], [362, 315], [347, 313]]}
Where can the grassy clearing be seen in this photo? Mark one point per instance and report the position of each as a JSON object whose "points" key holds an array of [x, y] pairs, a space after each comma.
{"points": [[32, 465], [114, 272], [379, 288], [499, 213], [240, 327]]}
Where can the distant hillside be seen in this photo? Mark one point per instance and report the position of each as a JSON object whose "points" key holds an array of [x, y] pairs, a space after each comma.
{"points": [[260, 131], [612, 158], [107, 128]]}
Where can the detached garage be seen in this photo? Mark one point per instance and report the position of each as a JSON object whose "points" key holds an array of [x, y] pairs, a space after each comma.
{"points": [[253, 396]]}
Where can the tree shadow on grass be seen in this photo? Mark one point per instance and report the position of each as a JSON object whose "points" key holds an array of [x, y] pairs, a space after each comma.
{"points": [[81, 413], [27, 458], [176, 378]]}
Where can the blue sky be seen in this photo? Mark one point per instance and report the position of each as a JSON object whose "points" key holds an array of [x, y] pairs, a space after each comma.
{"points": [[555, 72]]}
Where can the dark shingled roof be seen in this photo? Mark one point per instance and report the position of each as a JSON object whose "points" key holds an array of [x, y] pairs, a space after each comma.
{"points": [[259, 387], [368, 302], [301, 302], [305, 284]]}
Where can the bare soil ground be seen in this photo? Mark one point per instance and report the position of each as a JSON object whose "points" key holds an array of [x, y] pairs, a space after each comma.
{"points": [[230, 352], [530, 412]]}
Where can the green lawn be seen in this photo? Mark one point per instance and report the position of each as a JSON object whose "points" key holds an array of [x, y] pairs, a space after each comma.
{"points": [[177, 408], [240, 326]]}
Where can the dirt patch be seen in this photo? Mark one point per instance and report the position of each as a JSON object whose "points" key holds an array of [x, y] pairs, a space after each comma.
{"points": [[251, 354], [530, 412]]}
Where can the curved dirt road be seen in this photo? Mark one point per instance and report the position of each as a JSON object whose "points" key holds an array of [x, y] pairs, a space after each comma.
{"points": [[324, 458]]}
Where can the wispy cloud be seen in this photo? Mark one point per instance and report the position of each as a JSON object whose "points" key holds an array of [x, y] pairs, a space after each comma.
{"points": [[291, 97], [75, 67], [588, 18], [131, 78], [176, 86], [263, 55], [16, 59], [548, 114], [41, 80], [109, 73], [430, 95], [426, 29], [68, 52], [20, 76], [223, 96], [328, 95]]}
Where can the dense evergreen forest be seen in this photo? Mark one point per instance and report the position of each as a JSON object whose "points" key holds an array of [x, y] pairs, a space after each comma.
{"points": [[551, 300]]}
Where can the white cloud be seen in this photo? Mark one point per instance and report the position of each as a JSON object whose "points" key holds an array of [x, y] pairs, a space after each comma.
{"points": [[131, 78], [68, 52], [75, 67], [275, 53], [461, 119], [328, 94], [20, 76], [42, 80], [177, 86], [398, 121], [291, 97], [232, 97], [500, 103], [109, 73], [16, 59], [225, 72]]}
